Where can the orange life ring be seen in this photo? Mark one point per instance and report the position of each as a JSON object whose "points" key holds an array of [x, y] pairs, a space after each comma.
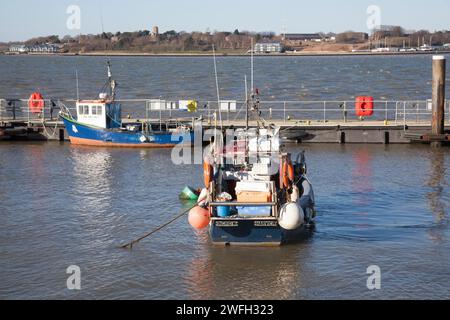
{"points": [[207, 173], [288, 173], [36, 102]]}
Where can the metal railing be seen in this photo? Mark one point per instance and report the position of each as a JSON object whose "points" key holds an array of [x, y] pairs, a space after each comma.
{"points": [[18, 109], [280, 112]]}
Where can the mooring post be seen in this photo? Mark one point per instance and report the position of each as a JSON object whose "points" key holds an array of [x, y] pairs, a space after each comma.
{"points": [[438, 96]]}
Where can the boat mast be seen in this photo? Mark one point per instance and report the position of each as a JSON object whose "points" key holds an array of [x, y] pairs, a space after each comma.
{"points": [[217, 87], [112, 82], [246, 103], [251, 54], [78, 87]]}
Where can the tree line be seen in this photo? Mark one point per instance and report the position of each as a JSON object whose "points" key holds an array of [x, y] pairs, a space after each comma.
{"points": [[143, 41]]}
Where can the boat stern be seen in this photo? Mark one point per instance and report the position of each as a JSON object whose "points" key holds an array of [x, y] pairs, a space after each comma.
{"points": [[244, 231]]}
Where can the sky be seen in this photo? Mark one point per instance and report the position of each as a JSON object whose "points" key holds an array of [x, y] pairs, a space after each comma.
{"points": [[24, 19]]}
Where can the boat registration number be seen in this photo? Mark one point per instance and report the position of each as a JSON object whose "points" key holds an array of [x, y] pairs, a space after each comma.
{"points": [[227, 224], [257, 224], [266, 223]]}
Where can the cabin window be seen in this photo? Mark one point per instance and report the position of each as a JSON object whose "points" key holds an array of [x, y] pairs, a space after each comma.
{"points": [[84, 110], [97, 110]]}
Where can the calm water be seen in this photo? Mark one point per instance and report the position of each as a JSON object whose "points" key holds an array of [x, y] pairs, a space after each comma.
{"points": [[377, 205]]}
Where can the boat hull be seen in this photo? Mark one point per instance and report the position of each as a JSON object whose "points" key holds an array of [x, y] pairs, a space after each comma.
{"points": [[80, 134], [234, 231], [255, 232]]}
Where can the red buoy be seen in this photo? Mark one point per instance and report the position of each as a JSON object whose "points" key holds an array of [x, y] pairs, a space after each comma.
{"points": [[36, 102], [199, 218], [364, 106]]}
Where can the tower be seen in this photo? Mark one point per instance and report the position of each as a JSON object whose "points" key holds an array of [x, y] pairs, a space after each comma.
{"points": [[155, 31]]}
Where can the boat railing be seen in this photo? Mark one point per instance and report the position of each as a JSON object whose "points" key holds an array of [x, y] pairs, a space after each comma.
{"points": [[289, 112], [19, 109], [64, 110]]}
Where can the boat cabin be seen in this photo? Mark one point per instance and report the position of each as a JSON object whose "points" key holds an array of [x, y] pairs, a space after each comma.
{"points": [[100, 113]]}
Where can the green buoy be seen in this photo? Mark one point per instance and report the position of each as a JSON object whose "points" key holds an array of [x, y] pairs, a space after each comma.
{"points": [[189, 193]]}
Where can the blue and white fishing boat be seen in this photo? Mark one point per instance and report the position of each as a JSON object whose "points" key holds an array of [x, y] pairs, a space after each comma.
{"points": [[99, 123]]}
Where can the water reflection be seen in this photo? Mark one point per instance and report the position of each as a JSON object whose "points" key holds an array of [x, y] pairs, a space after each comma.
{"points": [[246, 273], [92, 179], [437, 197], [362, 177]]}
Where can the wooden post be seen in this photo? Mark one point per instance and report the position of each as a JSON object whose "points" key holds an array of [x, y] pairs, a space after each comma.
{"points": [[438, 95], [61, 134]]}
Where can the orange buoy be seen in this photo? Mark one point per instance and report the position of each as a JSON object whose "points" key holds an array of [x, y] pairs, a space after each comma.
{"points": [[199, 218], [207, 172], [364, 106], [36, 102], [288, 173]]}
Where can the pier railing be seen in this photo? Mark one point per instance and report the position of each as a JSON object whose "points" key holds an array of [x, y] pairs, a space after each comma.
{"points": [[280, 112]]}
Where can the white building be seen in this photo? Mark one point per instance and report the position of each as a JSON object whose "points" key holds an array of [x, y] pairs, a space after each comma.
{"points": [[18, 48], [41, 48], [268, 47]]}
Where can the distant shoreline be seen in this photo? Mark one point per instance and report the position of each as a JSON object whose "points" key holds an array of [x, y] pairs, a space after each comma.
{"points": [[192, 54]]}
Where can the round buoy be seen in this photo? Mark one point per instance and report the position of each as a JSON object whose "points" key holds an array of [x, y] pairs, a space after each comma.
{"points": [[291, 216], [36, 102], [199, 218]]}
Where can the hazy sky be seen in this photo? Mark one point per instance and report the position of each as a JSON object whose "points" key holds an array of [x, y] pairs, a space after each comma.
{"points": [[23, 19]]}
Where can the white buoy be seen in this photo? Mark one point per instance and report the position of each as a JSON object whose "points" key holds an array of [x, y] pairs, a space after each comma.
{"points": [[291, 216]]}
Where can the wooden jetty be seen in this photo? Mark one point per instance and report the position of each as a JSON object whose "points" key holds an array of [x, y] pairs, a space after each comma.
{"points": [[332, 131]]}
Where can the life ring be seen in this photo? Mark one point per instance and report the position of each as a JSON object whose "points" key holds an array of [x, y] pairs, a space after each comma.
{"points": [[36, 102], [288, 173], [207, 173]]}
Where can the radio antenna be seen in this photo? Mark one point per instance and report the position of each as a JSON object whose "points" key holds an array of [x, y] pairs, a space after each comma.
{"points": [[251, 84], [217, 87], [78, 88]]}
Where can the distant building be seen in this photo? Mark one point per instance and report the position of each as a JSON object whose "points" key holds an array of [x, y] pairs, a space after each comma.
{"points": [[18, 48], [295, 37], [41, 48], [386, 49], [155, 31], [268, 47], [352, 37]]}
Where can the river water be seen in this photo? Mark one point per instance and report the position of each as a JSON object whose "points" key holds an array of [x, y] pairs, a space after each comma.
{"points": [[62, 205]]}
